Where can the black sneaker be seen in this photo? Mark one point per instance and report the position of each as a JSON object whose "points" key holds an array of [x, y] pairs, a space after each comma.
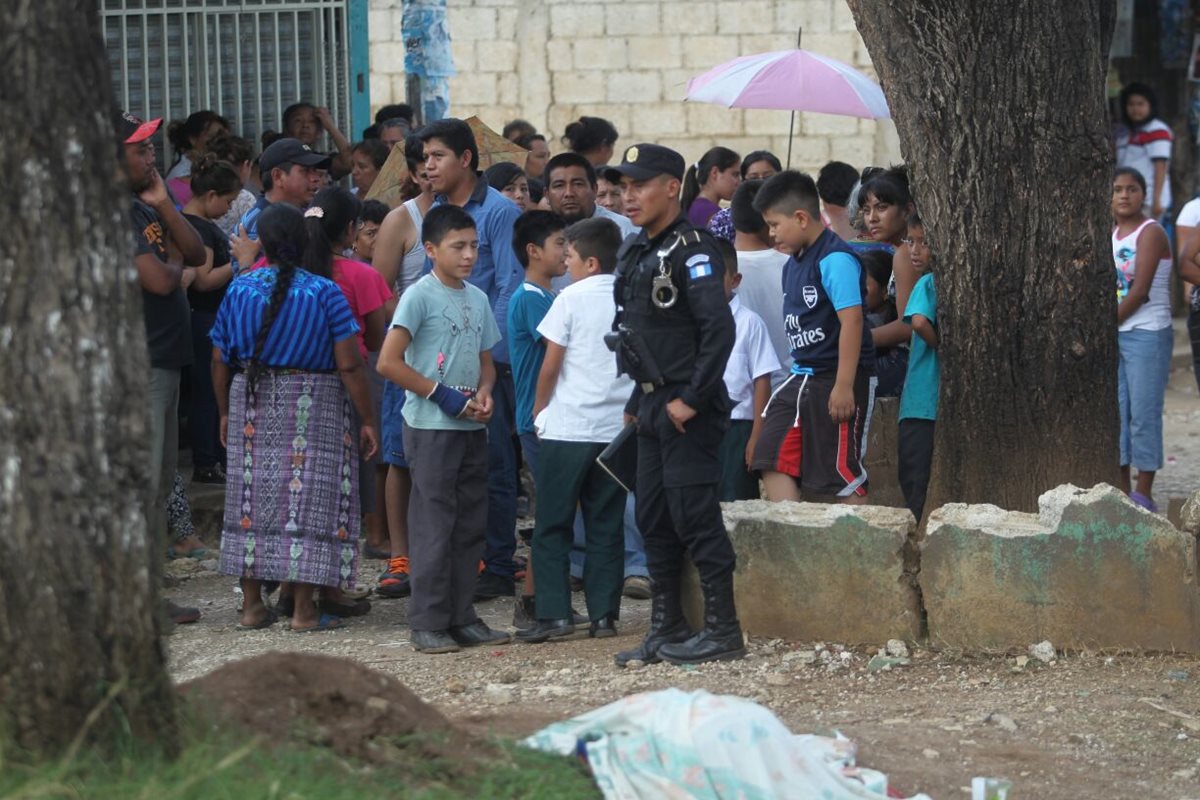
{"points": [[433, 642], [213, 474], [478, 633], [490, 586], [546, 629]]}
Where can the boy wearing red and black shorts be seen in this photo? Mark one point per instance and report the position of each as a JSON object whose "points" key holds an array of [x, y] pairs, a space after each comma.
{"points": [[815, 424]]}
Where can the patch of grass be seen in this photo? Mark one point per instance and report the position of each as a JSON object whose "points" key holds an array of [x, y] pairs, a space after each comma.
{"points": [[218, 765]]}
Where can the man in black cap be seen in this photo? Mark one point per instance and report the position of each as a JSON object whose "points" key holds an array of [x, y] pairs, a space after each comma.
{"points": [[157, 224], [675, 335], [291, 173]]}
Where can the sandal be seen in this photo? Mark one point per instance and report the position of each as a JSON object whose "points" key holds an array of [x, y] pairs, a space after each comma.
{"points": [[270, 619], [333, 608], [1144, 501], [327, 622]]}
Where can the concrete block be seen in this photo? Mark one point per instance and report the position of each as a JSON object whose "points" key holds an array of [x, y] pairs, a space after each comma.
{"points": [[703, 118], [809, 153], [578, 87], [472, 90], [1091, 570], [506, 25], [656, 121], [827, 125], [808, 571], [498, 56], [558, 54], [706, 52], [857, 150], [379, 26], [573, 20], [674, 82], [760, 42], [881, 460], [386, 57], [381, 90], [768, 122], [746, 16], [508, 93], [814, 16], [633, 87], [841, 46], [632, 19], [1189, 516], [655, 52], [471, 22], [689, 18], [463, 51], [843, 20], [600, 53]]}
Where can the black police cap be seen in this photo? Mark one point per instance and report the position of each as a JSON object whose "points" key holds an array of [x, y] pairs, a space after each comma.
{"points": [[644, 161]]}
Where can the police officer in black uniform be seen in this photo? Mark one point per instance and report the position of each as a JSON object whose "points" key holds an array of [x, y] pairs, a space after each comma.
{"points": [[673, 335]]}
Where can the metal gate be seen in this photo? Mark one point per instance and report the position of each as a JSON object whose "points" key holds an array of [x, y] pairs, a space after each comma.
{"points": [[246, 59]]}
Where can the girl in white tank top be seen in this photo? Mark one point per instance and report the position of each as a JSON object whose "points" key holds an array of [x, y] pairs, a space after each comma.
{"points": [[1155, 313]]}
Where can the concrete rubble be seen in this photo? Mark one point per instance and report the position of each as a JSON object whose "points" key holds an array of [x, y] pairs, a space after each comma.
{"points": [[1090, 570], [809, 571]]}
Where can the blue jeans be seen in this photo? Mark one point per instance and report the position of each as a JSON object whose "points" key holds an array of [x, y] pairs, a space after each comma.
{"points": [[502, 478], [635, 547], [204, 421], [1142, 373]]}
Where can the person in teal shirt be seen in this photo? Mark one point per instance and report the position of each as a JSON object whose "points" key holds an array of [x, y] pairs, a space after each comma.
{"points": [[541, 247], [918, 403]]}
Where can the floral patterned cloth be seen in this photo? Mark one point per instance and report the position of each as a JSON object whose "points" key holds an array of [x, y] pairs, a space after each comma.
{"points": [[673, 744]]}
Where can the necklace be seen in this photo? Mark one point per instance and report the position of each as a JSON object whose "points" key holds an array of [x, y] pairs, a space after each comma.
{"points": [[464, 309]]}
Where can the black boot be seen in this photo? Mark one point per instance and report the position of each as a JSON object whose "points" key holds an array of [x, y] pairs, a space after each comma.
{"points": [[666, 624], [721, 639]]}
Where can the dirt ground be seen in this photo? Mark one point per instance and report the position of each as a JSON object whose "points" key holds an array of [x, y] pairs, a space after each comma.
{"points": [[1092, 724]]}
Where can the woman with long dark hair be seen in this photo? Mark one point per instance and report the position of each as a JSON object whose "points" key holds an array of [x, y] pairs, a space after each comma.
{"points": [[594, 138], [289, 376], [710, 180]]}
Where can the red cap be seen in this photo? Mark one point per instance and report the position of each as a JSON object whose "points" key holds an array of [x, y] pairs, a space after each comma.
{"points": [[133, 130]]}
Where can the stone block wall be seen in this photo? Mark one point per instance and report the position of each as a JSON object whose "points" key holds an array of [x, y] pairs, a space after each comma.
{"points": [[551, 61]]}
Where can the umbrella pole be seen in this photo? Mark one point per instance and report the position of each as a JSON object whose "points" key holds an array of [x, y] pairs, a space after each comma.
{"points": [[792, 123], [791, 127]]}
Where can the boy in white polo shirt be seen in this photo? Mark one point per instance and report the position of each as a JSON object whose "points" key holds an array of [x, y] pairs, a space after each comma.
{"points": [[578, 410], [748, 381]]}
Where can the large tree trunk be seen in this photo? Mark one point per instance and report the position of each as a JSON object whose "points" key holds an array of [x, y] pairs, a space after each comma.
{"points": [[78, 595], [1000, 110]]}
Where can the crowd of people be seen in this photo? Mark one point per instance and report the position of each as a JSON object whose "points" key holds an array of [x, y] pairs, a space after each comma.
{"points": [[367, 381]]}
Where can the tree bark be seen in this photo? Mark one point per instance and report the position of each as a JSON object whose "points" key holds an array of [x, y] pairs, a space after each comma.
{"points": [[78, 577], [1001, 116]]}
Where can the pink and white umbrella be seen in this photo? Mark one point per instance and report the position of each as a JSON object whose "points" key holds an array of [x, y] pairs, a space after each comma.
{"points": [[791, 80]]}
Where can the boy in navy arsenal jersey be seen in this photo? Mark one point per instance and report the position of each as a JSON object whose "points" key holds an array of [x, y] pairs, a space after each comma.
{"points": [[815, 424]]}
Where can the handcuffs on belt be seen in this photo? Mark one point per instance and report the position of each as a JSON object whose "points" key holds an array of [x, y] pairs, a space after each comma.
{"points": [[663, 292]]}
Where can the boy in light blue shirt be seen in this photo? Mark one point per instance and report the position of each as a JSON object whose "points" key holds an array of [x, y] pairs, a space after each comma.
{"points": [[918, 403], [439, 351]]}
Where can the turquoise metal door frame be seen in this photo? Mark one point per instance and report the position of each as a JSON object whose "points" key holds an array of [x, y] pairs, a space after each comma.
{"points": [[360, 68]]}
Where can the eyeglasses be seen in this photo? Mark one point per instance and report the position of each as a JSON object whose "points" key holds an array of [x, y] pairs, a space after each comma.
{"points": [[913, 243]]}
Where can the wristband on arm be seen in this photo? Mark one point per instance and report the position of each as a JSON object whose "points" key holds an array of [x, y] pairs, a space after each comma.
{"points": [[448, 400]]}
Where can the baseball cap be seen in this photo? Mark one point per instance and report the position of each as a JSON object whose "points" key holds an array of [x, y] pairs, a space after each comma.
{"points": [[291, 151], [644, 161], [133, 130]]}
